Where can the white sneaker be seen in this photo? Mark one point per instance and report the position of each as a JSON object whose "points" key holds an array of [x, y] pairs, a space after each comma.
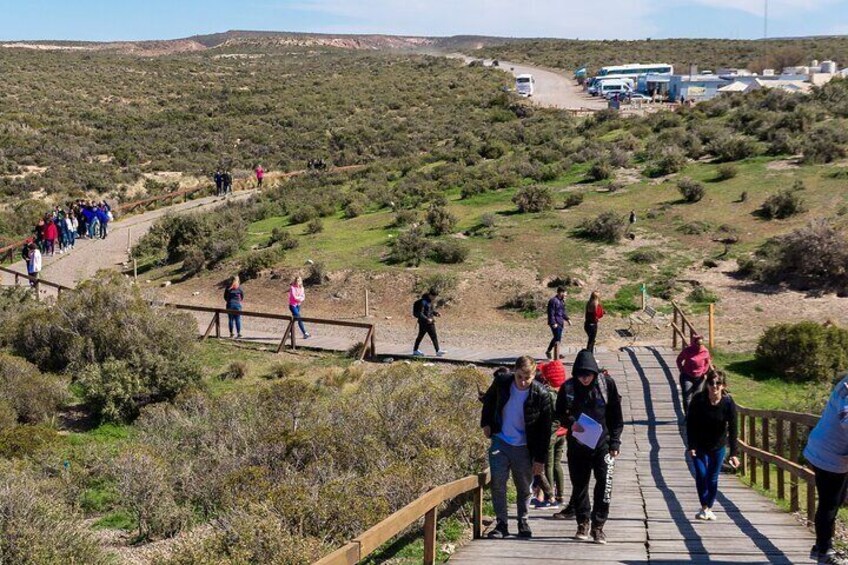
{"points": [[710, 515], [418, 353], [440, 353], [702, 515]]}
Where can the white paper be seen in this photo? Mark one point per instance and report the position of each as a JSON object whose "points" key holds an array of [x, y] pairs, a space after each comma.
{"points": [[591, 433]]}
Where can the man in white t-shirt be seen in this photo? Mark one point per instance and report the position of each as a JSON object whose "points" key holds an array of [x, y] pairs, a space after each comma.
{"points": [[517, 414]]}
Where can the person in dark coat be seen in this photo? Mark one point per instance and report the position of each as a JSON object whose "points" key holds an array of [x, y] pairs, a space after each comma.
{"points": [[557, 318], [219, 182], [593, 394], [424, 311]]}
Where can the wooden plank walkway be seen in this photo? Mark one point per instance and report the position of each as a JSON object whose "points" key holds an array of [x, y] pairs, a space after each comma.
{"points": [[654, 499]]}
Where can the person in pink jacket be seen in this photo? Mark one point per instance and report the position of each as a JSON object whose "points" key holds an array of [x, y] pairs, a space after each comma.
{"points": [[296, 297], [260, 175], [693, 363]]}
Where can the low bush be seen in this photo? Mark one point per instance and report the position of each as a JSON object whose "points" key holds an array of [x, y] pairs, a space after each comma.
{"points": [[805, 351], [782, 205], [111, 389], [441, 221], [410, 247], [32, 396], [283, 238], [449, 252], [405, 218], [443, 283], [257, 261], [600, 170], [733, 148], [317, 274], [194, 261], [825, 144], [671, 160], [534, 198], [702, 295], [692, 190], [608, 227], [573, 199], [645, 256], [726, 171], [284, 370], [303, 215], [695, 228], [234, 371], [531, 302], [315, 226]]}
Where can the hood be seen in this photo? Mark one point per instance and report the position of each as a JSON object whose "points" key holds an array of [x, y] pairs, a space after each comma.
{"points": [[585, 362]]}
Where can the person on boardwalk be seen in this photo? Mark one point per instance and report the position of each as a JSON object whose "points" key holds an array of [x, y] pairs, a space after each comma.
{"points": [[297, 295], [516, 416], [234, 297], [34, 263], [827, 452], [693, 363], [260, 175], [595, 395], [710, 433], [424, 311], [554, 376], [219, 182], [594, 313], [557, 318]]}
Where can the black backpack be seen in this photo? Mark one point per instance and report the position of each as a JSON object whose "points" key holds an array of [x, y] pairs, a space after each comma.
{"points": [[417, 308]]}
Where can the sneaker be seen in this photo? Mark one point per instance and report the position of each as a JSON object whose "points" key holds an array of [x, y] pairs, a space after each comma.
{"points": [[524, 529], [440, 353], [710, 515], [238, 336], [598, 535], [500, 531], [545, 504], [832, 557], [548, 355], [232, 336], [582, 531], [307, 335], [418, 353], [566, 513], [702, 515], [535, 501]]}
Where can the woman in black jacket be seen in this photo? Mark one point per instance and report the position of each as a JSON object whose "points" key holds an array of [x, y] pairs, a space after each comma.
{"points": [[710, 432]]}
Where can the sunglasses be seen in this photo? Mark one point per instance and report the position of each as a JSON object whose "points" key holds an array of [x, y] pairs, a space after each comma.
{"points": [[714, 384]]}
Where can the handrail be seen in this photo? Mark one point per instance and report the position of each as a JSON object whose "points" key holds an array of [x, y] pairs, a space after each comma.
{"points": [[680, 330], [770, 448], [424, 506]]}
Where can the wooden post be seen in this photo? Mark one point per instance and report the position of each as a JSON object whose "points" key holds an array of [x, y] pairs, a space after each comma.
{"points": [[367, 305], [373, 343], [752, 441], [745, 457], [477, 511], [430, 537], [811, 502], [17, 282], [779, 451], [135, 269], [644, 296], [293, 342], [217, 324], [793, 456], [285, 336], [712, 326], [209, 329], [766, 469], [129, 240], [673, 331]]}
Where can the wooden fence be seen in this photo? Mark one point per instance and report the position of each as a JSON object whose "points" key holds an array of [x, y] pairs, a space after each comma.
{"points": [[35, 282], [680, 324], [772, 446], [425, 506]]}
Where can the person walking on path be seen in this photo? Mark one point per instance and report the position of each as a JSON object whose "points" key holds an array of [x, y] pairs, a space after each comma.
{"points": [[557, 318], [34, 263], [234, 297], [228, 182], [827, 452], [710, 433], [595, 395], [424, 311], [219, 182], [516, 416], [51, 234], [260, 175], [102, 219], [297, 295], [594, 313], [554, 376], [693, 363]]}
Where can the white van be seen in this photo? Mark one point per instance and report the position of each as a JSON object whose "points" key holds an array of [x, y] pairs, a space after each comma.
{"points": [[609, 88], [524, 85]]}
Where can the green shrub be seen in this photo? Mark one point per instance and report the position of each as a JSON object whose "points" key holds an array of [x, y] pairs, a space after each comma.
{"points": [[529, 303], [804, 351], [317, 274], [441, 220], [25, 441], [784, 204], [702, 295], [236, 370], [695, 228], [32, 396], [534, 198], [315, 226], [410, 247], [608, 227], [444, 284], [645, 255], [573, 199], [111, 389], [405, 218], [733, 148], [449, 252], [303, 215], [671, 160], [692, 190], [600, 170], [284, 370], [825, 144], [193, 261], [283, 238], [726, 171], [8, 415], [257, 261]]}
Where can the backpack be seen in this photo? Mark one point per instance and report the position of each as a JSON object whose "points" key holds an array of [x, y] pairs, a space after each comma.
{"points": [[417, 308]]}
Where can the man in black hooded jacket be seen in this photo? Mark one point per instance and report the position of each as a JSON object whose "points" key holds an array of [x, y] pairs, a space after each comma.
{"points": [[594, 394]]}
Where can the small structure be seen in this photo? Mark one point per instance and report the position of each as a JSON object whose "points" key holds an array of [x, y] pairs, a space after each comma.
{"points": [[696, 88]]}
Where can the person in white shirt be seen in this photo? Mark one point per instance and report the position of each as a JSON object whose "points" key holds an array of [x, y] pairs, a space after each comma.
{"points": [[34, 263]]}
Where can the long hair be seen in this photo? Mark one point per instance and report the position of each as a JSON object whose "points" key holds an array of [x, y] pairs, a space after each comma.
{"points": [[236, 282], [714, 375], [592, 303]]}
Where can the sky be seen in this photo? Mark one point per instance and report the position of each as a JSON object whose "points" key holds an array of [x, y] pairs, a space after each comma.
{"points": [[108, 20]]}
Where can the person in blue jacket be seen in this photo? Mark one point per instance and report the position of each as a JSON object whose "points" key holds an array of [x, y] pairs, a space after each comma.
{"points": [[103, 219], [827, 452], [557, 318]]}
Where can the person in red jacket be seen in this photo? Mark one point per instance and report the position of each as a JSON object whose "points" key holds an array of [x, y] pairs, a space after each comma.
{"points": [[594, 312], [51, 234], [693, 362]]}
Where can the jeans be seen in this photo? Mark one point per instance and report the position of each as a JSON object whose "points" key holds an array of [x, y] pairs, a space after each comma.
{"points": [[49, 245], [557, 337], [426, 329], [553, 468], [831, 490], [707, 468], [93, 228], [234, 319], [591, 330], [504, 458], [582, 464], [103, 226], [689, 386], [295, 310]]}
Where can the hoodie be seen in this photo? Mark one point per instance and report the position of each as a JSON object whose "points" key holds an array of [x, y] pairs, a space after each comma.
{"points": [[827, 446], [694, 360]]}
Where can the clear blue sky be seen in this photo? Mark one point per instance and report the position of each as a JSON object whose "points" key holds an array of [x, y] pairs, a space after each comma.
{"points": [[101, 20]]}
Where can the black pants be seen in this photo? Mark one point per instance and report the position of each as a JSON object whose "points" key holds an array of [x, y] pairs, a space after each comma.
{"points": [[556, 337], [582, 463], [689, 387], [831, 490], [591, 330], [426, 329]]}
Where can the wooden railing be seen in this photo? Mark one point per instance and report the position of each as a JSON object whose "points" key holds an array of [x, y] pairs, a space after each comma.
{"points": [[35, 282], [772, 446], [425, 506], [680, 324]]}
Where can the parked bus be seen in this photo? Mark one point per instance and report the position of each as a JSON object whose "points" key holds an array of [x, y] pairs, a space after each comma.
{"points": [[636, 70], [524, 85]]}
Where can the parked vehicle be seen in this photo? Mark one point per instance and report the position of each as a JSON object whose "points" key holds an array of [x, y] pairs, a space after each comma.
{"points": [[612, 87], [524, 85]]}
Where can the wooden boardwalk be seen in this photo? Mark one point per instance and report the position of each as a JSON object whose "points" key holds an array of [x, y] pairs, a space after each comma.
{"points": [[654, 499]]}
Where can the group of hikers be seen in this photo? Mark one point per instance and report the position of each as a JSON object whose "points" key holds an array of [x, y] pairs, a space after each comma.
{"points": [[234, 300], [532, 413], [224, 180], [58, 230]]}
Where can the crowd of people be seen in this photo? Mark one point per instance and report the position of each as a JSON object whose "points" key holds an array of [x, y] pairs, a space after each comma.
{"points": [[58, 231]]}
